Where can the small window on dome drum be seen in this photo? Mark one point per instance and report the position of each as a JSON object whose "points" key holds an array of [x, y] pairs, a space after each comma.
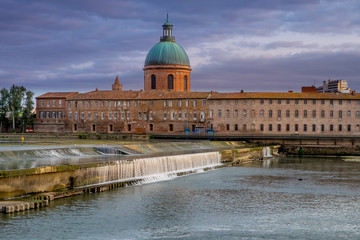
{"points": [[170, 82], [153, 81], [185, 83]]}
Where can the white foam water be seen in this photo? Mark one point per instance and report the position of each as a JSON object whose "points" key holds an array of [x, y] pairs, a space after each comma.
{"points": [[150, 169], [266, 152], [169, 176]]}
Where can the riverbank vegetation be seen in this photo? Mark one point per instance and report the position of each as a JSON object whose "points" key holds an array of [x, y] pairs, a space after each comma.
{"points": [[16, 109]]}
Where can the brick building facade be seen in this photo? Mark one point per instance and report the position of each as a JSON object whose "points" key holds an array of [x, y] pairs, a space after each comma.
{"points": [[286, 113], [168, 106], [51, 112]]}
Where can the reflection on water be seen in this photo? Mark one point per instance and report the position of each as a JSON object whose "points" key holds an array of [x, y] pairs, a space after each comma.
{"points": [[293, 198]]}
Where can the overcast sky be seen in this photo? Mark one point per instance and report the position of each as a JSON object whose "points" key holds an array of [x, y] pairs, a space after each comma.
{"points": [[254, 45]]}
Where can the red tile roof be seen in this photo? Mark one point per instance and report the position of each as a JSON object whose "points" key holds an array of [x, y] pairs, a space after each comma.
{"points": [[140, 95], [163, 94], [57, 95], [284, 95]]}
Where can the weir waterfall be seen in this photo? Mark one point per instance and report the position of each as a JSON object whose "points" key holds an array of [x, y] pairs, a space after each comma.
{"points": [[51, 178], [150, 168]]}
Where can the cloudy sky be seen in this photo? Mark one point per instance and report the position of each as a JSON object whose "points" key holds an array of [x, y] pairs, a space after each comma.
{"points": [[254, 45]]}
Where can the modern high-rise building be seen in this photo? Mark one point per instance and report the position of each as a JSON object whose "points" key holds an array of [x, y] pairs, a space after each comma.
{"points": [[334, 86]]}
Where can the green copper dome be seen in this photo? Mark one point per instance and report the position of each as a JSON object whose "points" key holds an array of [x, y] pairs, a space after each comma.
{"points": [[165, 53]]}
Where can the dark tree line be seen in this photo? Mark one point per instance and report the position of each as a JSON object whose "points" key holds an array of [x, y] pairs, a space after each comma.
{"points": [[16, 106]]}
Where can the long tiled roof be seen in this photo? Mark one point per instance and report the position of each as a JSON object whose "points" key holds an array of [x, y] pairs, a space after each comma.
{"points": [[153, 94], [163, 94], [284, 95], [57, 95]]}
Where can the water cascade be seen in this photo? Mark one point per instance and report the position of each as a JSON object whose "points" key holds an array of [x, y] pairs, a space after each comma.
{"points": [[147, 169], [266, 153], [50, 178]]}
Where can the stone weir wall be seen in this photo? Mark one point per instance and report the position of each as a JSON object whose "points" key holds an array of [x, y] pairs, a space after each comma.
{"points": [[52, 178], [14, 183]]}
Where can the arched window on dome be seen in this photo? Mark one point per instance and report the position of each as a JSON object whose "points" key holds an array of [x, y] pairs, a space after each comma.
{"points": [[170, 82], [153, 81], [185, 83]]}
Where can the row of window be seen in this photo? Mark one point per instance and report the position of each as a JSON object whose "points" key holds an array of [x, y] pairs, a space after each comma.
{"points": [[169, 103], [141, 115], [112, 115], [111, 127], [88, 104], [109, 104], [184, 114], [296, 127], [331, 102], [51, 114], [306, 101], [296, 113], [305, 127], [51, 103]]}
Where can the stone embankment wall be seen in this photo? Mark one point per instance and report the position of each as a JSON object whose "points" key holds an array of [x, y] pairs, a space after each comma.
{"points": [[235, 157], [297, 140], [318, 150]]}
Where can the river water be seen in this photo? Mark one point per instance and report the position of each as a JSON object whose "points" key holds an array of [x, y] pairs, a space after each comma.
{"points": [[293, 198]]}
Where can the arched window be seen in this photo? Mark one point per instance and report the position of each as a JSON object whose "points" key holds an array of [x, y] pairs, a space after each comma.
{"points": [[170, 81], [153, 81], [185, 83]]}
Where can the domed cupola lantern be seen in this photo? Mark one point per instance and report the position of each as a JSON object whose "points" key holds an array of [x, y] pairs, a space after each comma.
{"points": [[167, 31], [167, 66]]}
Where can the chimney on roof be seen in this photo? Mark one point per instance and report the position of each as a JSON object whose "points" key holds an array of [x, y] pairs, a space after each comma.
{"points": [[311, 89], [96, 90], [290, 91], [242, 91], [117, 86]]}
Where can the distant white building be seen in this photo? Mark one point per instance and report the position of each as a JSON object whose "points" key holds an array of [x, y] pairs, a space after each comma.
{"points": [[334, 86]]}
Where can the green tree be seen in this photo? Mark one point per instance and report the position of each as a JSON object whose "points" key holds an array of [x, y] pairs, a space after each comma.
{"points": [[4, 107], [15, 103], [19, 102], [27, 115]]}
